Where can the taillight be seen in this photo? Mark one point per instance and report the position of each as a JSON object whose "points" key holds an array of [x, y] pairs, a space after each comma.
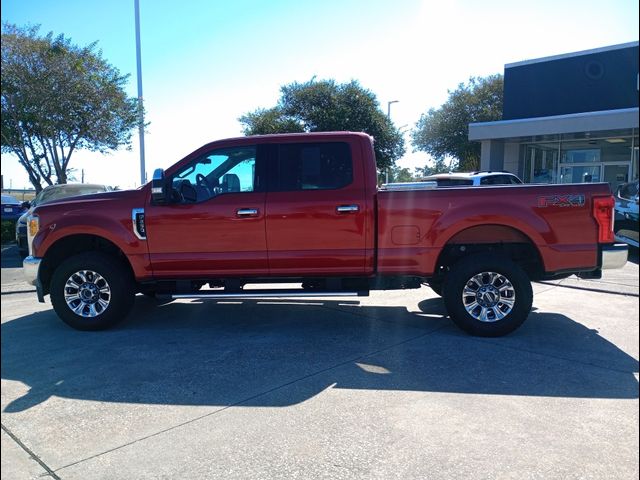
{"points": [[603, 213]]}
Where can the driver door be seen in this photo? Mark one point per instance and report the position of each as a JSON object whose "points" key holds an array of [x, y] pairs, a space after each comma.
{"points": [[215, 224]]}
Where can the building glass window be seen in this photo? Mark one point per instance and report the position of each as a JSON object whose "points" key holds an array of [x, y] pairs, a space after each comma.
{"points": [[581, 155], [541, 163], [580, 174], [587, 160], [634, 158]]}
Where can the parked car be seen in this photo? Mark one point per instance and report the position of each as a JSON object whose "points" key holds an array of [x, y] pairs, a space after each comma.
{"points": [[305, 209], [626, 220], [11, 207], [462, 179], [51, 194]]}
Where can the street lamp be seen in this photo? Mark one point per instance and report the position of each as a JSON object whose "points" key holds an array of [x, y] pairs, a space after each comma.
{"points": [[143, 173], [389, 117], [389, 107]]}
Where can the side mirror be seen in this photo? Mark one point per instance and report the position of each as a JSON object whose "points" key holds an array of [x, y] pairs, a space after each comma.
{"points": [[159, 194], [26, 205]]}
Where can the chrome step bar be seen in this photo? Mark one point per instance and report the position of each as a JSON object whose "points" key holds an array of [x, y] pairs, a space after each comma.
{"points": [[250, 294]]}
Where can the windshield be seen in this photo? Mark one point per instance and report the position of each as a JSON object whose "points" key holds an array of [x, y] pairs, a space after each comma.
{"points": [[8, 199]]}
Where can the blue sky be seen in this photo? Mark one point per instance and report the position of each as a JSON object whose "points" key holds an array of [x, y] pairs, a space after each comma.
{"points": [[205, 63]]}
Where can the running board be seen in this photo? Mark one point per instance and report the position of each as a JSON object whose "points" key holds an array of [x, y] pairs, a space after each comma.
{"points": [[250, 294]]}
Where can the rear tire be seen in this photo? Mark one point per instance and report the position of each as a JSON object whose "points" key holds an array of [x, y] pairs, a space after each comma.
{"points": [[487, 295], [92, 291]]}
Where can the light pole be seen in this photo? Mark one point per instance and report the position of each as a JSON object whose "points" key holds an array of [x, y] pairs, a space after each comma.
{"points": [[389, 117], [143, 173], [389, 107]]}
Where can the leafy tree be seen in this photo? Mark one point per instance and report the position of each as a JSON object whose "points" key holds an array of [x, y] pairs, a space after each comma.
{"points": [[396, 174], [444, 132], [58, 98], [439, 165], [324, 106]]}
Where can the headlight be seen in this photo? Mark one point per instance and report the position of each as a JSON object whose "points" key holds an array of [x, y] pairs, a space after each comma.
{"points": [[33, 225]]}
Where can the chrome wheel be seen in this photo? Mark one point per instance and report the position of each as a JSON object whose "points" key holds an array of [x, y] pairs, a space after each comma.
{"points": [[87, 293], [488, 296]]}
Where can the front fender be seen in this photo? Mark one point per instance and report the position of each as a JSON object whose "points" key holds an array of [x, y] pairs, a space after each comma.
{"points": [[118, 231]]}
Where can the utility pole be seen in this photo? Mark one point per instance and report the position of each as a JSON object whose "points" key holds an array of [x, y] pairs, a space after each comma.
{"points": [[82, 181], [143, 174]]}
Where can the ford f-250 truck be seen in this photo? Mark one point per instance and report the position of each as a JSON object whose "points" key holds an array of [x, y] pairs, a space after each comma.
{"points": [[305, 209]]}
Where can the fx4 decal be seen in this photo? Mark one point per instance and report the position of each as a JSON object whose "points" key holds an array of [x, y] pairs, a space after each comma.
{"points": [[561, 201]]}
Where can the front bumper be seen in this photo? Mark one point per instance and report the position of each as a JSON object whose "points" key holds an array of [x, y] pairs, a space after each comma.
{"points": [[614, 256], [30, 267]]}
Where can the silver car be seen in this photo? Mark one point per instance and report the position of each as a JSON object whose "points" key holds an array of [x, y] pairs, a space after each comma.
{"points": [[51, 194], [626, 220]]}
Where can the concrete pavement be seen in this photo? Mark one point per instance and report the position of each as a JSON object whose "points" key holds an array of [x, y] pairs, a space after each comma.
{"points": [[380, 387]]}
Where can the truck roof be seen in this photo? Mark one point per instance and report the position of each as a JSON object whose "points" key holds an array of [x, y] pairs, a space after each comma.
{"points": [[302, 135]]}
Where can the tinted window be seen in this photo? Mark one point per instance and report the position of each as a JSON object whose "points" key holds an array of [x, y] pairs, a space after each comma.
{"points": [[454, 182], [313, 166], [497, 180]]}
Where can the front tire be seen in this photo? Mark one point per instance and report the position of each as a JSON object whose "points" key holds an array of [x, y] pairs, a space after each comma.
{"points": [[436, 286], [92, 291], [487, 295]]}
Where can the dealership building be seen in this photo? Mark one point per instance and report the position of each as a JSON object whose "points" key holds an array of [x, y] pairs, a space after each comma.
{"points": [[568, 118]]}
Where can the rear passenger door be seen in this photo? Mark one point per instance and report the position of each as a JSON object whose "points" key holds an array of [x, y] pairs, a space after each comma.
{"points": [[315, 209]]}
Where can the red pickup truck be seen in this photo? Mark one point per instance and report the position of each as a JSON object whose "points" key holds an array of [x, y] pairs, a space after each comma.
{"points": [[305, 209]]}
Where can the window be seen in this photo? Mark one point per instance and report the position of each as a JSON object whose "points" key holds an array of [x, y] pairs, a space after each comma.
{"points": [[629, 191], [453, 182], [229, 170], [581, 155], [488, 181], [541, 163], [313, 166], [496, 180]]}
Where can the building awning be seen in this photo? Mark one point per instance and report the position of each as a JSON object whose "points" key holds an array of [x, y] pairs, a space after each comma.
{"points": [[559, 124]]}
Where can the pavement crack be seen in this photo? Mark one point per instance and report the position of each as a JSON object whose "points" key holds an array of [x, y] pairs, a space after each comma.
{"points": [[595, 290], [12, 292], [252, 397], [29, 452]]}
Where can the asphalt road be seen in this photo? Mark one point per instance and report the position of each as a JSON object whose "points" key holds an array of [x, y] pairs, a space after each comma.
{"points": [[380, 388]]}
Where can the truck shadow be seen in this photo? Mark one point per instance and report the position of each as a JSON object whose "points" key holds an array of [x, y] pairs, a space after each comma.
{"points": [[280, 353]]}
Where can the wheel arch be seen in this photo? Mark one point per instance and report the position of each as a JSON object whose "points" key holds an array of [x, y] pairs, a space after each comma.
{"points": [[500, 239], [71, 245]]}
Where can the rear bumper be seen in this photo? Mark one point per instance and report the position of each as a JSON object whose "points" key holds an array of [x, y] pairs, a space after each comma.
{"points": [[614, 256]]}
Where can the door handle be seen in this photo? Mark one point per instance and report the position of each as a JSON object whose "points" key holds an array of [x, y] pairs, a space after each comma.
{"points": [[247, 212], [347, 208]]}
